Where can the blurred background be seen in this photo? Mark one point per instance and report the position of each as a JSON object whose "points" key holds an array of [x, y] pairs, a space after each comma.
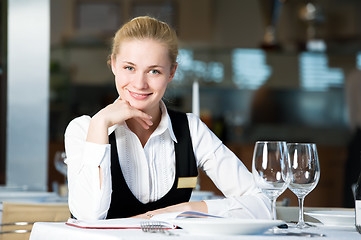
{"points": [[266, 70]]}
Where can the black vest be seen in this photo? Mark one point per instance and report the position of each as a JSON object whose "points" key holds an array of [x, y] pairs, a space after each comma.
{"points": [[125, 204]]}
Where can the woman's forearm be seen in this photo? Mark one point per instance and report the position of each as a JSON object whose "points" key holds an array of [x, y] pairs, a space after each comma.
{"points": [[98, 133], [199, 206], [98, 130]]}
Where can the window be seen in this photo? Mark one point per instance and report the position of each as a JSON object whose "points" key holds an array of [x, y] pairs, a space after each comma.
{"points": [[315, 75], [249, 68]]}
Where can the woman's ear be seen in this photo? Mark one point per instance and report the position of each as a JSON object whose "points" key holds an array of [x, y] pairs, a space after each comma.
{"points": [[172, 72]]}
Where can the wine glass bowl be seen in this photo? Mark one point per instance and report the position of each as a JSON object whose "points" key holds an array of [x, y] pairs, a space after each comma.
{"points": [[270, 169], [304, 173], [59, 162]]}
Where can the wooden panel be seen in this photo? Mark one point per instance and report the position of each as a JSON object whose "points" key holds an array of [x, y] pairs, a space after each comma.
{"points": [[195, 25]]}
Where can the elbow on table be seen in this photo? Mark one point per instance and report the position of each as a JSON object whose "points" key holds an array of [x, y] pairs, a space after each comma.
{"points": [[82, 211], [87, 215]]}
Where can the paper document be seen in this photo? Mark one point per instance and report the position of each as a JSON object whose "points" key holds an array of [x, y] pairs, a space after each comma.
{"points": [[117, 223], [135, 223]]}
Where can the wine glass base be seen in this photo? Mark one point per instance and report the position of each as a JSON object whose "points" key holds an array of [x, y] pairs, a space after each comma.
{"points": [[300, 225]]}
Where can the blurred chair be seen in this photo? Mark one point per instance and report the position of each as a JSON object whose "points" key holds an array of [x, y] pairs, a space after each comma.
{"points": [[18, 218]]}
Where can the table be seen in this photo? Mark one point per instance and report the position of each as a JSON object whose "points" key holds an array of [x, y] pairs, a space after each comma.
{"points": [[60, 231]]}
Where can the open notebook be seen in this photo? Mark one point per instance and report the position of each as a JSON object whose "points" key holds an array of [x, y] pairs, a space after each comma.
{"points": [[135, 223]]}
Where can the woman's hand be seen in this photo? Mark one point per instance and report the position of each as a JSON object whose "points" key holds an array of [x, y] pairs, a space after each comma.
{"points": [[114, 113], [120, 111]]}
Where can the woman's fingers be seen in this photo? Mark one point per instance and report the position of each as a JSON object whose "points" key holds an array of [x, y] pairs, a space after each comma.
{"points": [[141, 117], [144, 122], [125, 110]]}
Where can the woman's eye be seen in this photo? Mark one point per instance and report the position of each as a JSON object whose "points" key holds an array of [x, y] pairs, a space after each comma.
{"points": [[154, 71], [129, 68]]}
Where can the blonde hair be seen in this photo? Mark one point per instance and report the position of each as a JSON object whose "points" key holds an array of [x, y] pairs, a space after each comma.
{"points": [[146, 27]]}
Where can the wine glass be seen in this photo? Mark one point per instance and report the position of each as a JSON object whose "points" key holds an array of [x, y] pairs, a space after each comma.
{"points": [[59, 163], [270, 169], [60, 166], [304, 173]]}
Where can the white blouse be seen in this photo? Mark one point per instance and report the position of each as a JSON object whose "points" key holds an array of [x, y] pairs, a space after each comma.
{"points": [[150, 171]]}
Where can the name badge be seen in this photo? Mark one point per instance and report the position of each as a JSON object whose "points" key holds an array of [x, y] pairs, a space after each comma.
{"points": [[187, 182]]}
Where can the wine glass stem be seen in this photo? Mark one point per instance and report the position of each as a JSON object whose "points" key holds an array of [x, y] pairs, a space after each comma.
{"points": [[301, 221], [274, 216]]}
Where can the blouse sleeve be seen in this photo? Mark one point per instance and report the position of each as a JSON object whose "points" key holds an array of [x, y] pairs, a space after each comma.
{"points": [[87, 199], [242, 197]]}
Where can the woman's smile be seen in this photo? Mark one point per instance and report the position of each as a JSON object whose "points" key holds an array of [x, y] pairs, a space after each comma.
{"points": [[139, 96]]}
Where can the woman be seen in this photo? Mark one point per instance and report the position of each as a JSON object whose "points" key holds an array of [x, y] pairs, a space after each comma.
{"points": [[137, 158]]}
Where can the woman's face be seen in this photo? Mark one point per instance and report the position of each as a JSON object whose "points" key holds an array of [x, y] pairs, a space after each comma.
{"points": [[142, 70]]}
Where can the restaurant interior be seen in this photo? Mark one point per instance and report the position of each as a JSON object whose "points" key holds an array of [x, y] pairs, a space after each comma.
{"points": [[260, 70]]}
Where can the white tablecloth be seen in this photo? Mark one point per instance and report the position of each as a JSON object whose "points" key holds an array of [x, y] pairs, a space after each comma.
{"points": [[60, 231]]}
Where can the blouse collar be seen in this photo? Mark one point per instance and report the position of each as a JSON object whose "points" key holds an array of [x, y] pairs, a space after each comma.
{"points": [[165, 123]]}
